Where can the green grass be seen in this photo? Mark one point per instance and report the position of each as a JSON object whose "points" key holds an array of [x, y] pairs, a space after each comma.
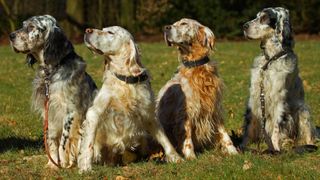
{"points": [[21, 151]]}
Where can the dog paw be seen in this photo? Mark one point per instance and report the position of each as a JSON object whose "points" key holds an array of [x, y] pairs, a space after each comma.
{"points": [[189, 155], [84, 168], [308, 148], [52, 166], [242, 148], [271, 152], [174, 158], [231, 150], [84, 164]]}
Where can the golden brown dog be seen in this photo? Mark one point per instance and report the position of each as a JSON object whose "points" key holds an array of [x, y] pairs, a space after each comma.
{"points": [[189, 106]]}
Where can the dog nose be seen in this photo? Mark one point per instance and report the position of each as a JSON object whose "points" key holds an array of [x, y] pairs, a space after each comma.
{"points": [[246, 26], [89, 30], [12, 36], [168, 27]]}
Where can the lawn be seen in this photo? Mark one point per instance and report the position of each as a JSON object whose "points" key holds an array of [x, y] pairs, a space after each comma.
{"points": [[22, 153]]}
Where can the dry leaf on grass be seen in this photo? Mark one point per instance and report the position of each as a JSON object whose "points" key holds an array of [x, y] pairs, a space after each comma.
{"points": [[33, 158], [122, 178], [158, 155], [246, 165]]}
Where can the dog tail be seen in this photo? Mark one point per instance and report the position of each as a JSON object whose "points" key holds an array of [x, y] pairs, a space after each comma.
{"points": [[318, 132], [308, 148]]}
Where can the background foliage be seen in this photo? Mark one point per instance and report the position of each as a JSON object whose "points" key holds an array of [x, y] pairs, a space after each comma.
{"points": [[147, 17]]}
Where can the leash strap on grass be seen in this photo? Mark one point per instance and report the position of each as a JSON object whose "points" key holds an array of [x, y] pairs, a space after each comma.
{"points": [[46, 125]]}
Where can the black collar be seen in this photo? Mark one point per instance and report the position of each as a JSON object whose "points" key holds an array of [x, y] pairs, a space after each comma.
{"points": [[195, 63], [275, 57], [133, 79]]}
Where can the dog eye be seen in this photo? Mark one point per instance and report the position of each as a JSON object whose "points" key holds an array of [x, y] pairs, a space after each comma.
{"points": [[263, 19], [110, 32], [30, 28], [184, 23]]}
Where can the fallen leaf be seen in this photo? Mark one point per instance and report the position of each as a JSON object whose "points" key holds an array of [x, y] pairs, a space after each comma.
{"points": [[246, 165], [121, 178], [158, 155]]}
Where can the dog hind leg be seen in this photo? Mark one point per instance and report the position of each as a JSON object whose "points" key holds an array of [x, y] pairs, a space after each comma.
{"points": [[156, 130], [306, 130], [252, 129]]}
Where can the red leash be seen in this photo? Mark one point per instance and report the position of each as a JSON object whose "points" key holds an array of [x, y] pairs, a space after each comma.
{"points": [[45, 128]]}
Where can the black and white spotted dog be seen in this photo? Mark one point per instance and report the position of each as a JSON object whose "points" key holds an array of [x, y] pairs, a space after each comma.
{"points": [[276, 108], [71, 88]]}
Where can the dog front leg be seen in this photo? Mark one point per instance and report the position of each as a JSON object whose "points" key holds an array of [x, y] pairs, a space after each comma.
{"points": [[156, 130], [225, 141], [64, 147], [188, 147], [275, 138], [89, 128], [52, 142], [272, 135], [273, 126]]}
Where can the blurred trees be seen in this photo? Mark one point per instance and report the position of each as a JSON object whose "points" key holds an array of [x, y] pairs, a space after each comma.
{"points": [[147, 17]]}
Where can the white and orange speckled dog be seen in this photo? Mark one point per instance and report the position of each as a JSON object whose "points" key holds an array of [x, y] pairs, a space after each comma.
{"points": [[189, 106], [123, 112]]}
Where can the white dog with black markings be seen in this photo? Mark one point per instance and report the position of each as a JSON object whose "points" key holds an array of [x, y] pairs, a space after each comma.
{"points": [[123, 111], [276, 109], [70, 88]]}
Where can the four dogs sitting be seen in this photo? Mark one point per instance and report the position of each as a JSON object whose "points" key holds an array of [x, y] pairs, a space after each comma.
{"points": [[107, 126]]}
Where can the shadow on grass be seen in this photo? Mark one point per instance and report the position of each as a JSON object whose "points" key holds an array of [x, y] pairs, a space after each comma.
{"points": [[15, 143]]}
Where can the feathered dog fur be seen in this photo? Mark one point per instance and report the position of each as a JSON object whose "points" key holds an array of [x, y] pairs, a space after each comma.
{"points": [[189, 106], [287, 115], [71, 88], [122, 113]]}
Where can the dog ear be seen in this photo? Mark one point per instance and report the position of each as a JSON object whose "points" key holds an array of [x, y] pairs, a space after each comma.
{"points": [[207, 37], [283, 27], [134, 64], [56, 46]]}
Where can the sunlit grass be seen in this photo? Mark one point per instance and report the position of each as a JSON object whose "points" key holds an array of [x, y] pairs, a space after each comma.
{"points": [[21, 129]]}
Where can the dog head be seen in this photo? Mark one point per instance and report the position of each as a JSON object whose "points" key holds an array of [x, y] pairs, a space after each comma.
{"points": [[41, 33], [115, 44], [270, 23], [189, 35]]}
